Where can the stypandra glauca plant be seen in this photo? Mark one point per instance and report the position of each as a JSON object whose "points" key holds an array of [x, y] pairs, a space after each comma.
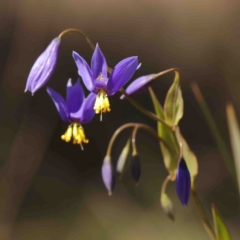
{"points": [[103, 82]]}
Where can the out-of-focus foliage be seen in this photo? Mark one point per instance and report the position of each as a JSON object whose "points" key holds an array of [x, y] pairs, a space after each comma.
{"points": [[221, 230]]}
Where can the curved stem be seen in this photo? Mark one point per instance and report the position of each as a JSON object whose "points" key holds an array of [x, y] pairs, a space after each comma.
{"points": [[165, 72], [165, 182], [80, 32], [69, 30], [202, 213], [139, 125], [134, 135], [144, 110]]}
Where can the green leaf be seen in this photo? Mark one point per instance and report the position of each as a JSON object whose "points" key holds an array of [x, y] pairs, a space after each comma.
{"points": [[220, 228], [170, 157], [173, 105], [235, 139]]}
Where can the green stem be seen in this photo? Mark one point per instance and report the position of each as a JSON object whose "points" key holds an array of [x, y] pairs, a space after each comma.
{"points": [[144, 110]]}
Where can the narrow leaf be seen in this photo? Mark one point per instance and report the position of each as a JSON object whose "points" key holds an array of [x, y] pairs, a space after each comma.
{"points": [[170, 158], [214, 130], [235, 138], [220, 228]]}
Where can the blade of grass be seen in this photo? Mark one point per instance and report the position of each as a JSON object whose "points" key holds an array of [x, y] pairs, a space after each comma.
{"points": [[214, 130], [234, 132]]}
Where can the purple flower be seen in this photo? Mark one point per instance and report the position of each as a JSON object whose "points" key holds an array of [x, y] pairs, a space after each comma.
{"points": [[43, 67], [183, 182], [139, 85], [76, 110], [108, 175], [143, 82], [97, 80]]}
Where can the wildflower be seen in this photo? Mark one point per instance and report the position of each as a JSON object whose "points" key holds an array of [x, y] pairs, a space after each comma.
{"points": [[183, 182], [76, 110], [136, 168], [97, 81], [108, 175], [43, 67]]}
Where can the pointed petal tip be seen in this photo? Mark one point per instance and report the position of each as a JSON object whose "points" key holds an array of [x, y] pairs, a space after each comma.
{"points": [[69, 82], [109, 194]]}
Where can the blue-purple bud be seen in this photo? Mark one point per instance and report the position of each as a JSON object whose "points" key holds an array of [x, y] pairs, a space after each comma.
{"points": [[183, 182], [108, 175], [136, 168], [43, 67]]}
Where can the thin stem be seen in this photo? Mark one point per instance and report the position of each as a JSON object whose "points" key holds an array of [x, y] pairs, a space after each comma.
{"points": [[139, 125], [206, 223], [80, 32], [134, 135], [164, 185], [165, 72], [144, 110], [69, 30]]}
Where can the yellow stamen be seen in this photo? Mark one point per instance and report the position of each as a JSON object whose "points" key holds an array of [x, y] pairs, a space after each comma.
{"points": [[75, 132], [102, 104]]}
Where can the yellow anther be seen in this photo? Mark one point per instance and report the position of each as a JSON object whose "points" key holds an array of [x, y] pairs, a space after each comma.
{"points": [[102, 103], [76, 133], [75, 130]]}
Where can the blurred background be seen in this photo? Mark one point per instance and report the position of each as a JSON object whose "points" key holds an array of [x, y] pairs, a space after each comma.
{"points": [[52, 190]]}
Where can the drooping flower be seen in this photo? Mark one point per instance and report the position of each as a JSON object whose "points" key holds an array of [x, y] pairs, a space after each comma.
{"points": [[108, 175], [183, 182], [43, 67], [96, 78], [76, 110]]}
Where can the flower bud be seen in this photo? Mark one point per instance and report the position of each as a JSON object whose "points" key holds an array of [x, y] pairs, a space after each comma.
{"points": [[43, 67], [123, 157], [183, 182], [167, 205], [136, 168], [108, 174]]}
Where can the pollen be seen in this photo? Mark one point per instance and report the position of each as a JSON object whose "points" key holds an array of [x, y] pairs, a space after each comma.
{"points": [[102, 104], [75, 132]]}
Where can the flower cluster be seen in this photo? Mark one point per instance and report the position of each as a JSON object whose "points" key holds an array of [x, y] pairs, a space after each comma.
{"points": [[77, 110]]}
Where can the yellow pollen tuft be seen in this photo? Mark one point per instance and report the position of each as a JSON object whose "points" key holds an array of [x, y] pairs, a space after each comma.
{"points": [[102, 104], [75, 132]]}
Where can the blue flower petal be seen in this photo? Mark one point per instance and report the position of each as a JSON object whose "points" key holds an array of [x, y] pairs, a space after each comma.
{"points": [[84, 71], [86, 112], [99, 64], [43, 67], [75, 96], [60, 104], [183, 182], [139, 85], [121, 74]]}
